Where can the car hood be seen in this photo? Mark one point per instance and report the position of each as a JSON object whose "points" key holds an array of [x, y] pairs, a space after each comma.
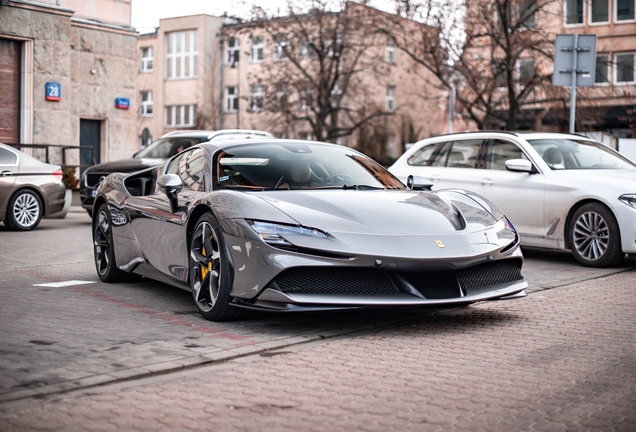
{"points": [[125, 165], [623, 179], [375, 212]]}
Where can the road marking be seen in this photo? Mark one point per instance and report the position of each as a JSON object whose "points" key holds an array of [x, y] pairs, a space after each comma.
{"points": [[64, 284]]}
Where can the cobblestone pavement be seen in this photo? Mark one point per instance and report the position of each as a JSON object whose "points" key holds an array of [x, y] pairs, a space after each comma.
{"points": [[563, 359], [59, 339]]}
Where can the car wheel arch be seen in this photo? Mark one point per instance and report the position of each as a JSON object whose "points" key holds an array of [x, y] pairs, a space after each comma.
{"points": [[35, 191], [573, 209]]}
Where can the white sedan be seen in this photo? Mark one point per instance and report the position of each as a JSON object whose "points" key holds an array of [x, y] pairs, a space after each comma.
{"points": [[560, 191]]}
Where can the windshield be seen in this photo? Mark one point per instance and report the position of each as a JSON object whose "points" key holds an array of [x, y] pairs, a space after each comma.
{"points": [[290, 166], [567, 154], [165, 148]]}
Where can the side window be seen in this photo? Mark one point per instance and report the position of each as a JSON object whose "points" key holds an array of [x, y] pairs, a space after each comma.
{"points": [[190, 167], [463, 154], [440, 155], [422, 156], [499, 151], [7, 157]]}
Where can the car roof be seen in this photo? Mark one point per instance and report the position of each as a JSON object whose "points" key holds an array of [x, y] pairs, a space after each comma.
{"points": [[219, 134], [498, 133], [224, 144]]}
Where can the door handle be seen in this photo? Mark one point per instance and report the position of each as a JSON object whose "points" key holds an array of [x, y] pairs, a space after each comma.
{"points": [[6, 173], [434, 178], [487, 182]]}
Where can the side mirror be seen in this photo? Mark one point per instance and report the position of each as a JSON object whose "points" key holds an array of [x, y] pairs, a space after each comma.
{"points": [[421, 184], [520, 165], [171, 185]]}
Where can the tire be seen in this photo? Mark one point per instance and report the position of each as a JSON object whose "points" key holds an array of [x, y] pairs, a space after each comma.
{"points": [[104, 249], [24, 211], [209, 272], [594, 236]]}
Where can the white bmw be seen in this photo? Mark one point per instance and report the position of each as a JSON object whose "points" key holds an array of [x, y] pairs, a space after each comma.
{"points": [[560, 191]]}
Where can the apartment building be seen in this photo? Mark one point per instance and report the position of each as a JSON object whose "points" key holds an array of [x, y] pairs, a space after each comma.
{"points": [[266, 64], [67, 78], [178, 76]]}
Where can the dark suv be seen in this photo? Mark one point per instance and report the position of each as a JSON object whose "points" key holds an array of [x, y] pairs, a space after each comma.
{"points": [[164, 148]]}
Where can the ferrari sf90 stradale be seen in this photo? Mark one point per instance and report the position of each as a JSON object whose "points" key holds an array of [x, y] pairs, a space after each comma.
{"points": [[285, 225]]}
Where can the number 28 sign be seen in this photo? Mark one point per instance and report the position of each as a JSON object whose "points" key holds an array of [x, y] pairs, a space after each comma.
{"points": [[53, 91]]}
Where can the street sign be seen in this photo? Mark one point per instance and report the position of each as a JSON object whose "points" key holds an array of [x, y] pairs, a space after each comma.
{"points": [[122, 103], [564, 50], [53, 91]]}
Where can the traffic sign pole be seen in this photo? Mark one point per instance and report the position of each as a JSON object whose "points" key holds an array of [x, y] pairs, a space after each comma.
{"points": [[573, 88]]}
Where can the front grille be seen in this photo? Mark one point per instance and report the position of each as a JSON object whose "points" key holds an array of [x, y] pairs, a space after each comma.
{"points": [[491, 273], [335, 281], [93, 179]]}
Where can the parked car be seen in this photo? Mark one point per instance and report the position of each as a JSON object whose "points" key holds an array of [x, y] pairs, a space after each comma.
{"points": [[561, 191], [29, 189], [284, 225], [155, 153]]}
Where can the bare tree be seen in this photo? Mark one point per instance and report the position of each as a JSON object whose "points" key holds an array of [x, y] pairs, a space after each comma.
{"points": [[496, 53], [325, 60]]}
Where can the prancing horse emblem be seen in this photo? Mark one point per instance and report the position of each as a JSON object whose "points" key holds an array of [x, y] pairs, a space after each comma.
{"points": [[439, 244]]}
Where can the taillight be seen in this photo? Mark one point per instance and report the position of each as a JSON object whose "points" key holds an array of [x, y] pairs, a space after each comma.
{"points": [[58, 174]]}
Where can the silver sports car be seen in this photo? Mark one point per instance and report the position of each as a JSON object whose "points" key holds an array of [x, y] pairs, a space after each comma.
{"points": [[285, 225]]}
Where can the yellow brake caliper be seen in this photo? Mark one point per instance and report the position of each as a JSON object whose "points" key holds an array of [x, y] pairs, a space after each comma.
{"points": [[204, 269]]}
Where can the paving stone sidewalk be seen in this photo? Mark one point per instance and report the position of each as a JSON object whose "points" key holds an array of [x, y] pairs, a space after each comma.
{"points": [[563, 359]]}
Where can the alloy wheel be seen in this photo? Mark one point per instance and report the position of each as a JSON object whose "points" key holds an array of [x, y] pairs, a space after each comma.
{"points": [[26, 210], [591, 235], [206, 267], [102, 240]]}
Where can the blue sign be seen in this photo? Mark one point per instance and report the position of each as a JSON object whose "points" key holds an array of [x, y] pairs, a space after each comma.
{"points": [[122, 103], [53, 91]]}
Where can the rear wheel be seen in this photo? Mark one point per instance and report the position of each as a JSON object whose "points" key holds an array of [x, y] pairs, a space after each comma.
{"points": [[24, 212], [104, 249], [210, 272], [594, 236]]}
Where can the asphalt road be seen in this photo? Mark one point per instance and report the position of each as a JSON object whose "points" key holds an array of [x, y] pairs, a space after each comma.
{"points": [[107, 350]]}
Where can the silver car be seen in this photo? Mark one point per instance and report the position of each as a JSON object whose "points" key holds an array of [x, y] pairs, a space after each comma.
{"points": [[29, 189], [561, 191]]}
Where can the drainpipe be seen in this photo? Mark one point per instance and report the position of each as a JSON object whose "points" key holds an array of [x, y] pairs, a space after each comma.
{"points": [[221, 79]]}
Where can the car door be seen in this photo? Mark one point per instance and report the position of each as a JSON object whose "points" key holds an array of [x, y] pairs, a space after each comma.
{"points": [[519, 195], [8, 172], [452, 165], [160, 232]]}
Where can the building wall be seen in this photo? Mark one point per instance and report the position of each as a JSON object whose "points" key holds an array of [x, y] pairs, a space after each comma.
{"points": [[93, 64], [200, 90]]}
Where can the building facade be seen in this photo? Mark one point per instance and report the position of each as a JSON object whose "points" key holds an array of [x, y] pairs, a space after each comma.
{"points": [[68, 78], [178, 76]]}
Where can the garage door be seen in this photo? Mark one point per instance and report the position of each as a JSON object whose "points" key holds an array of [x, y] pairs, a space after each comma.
{"points": [[10, 91]]}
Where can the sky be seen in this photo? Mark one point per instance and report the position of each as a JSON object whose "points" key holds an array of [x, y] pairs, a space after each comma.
{"points": [[147, 13]]}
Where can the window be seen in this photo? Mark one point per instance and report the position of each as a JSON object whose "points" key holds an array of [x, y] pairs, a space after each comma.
{"points": [[281, 96], [528, 13], [233, 51], [256, 98], [304, 99], [146, 104], [334, 97], [422, 156], [256, 50], [231, 99], [390, 98], [190, 167], [574, 11], [499, 151], [305, 49], [180, 116], [624, 69], [602, 69], [181, 54], [146, 59], [280, 50], [599, 11], [525, 71], [625, 10], [463, 154], [304, 136], [501, 79], [8, 157], [390, 50]]}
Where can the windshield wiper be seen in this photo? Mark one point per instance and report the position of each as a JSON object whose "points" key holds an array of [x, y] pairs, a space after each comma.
{"points": [[360, 187]]}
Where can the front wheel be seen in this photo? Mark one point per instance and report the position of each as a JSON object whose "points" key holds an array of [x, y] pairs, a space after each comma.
{"points": [[24, 212], [594, 236], [210, 272]]}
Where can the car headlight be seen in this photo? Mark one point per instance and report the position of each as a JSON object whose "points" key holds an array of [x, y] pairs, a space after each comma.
{"points": [[629, 199], [272, 233]]}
